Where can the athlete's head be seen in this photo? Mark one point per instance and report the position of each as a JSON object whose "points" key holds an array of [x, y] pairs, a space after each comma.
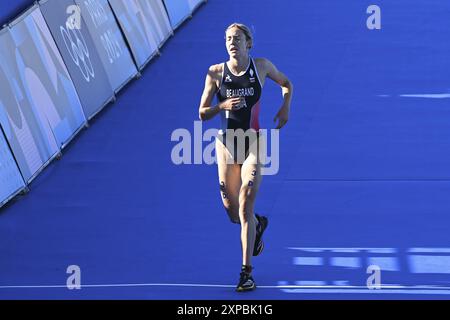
{"points": [[239, 40]]}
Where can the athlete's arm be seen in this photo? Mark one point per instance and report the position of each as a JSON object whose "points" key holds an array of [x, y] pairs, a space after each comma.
{"points": [[270, 71], [206, 111]]}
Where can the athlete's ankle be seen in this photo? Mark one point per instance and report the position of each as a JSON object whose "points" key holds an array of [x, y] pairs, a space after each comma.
{"points": [[246, 269]]}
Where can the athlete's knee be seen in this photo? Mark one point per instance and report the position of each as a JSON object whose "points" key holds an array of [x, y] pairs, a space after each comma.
{"points": [[245, 214], [247, 193], [247, 198], [231, 208]]}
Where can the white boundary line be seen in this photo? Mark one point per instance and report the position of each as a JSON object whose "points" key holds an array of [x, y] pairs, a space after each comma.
{"points": [[311, 288]]}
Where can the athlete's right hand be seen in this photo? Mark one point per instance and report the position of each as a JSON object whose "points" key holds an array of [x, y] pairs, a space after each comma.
{"points": [[231, 103]]}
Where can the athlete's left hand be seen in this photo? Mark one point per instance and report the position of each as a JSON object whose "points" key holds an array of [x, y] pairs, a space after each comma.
{"points": [[282, 116]]}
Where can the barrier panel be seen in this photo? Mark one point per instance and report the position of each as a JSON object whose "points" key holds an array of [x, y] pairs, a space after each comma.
{"points": [[11, 181], [25, 126], [61, 61], [178, 11], [109, 42], [79, 53], [159, 21], [137, 29], [46, 77]]}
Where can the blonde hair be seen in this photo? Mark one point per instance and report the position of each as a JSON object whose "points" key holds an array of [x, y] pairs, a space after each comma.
{"points": [[246, 30]]}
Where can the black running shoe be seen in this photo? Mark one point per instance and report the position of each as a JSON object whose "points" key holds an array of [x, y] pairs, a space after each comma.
{"points": [[246, 282], [260, 228]]}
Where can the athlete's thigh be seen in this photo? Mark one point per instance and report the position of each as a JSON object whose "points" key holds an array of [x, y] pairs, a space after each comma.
{"points": [[251, 178], [251, 168], [229, 176]]}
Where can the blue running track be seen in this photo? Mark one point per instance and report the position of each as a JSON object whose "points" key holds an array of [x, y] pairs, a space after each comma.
{"points": [[364, 169]]}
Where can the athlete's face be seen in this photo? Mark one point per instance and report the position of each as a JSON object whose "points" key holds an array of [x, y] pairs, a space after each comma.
{"points": [[236, 42]]}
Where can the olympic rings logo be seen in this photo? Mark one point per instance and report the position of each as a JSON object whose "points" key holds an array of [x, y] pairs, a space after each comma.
{"points": [[78, 50]]}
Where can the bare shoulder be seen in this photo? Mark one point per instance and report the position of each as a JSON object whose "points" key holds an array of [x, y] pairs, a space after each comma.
{"points": [[264, 66], [267, 69], [262, 63], [215, 71]]}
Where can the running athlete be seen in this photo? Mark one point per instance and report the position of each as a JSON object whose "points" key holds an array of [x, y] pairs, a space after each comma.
{"points": [[238, 85]]}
